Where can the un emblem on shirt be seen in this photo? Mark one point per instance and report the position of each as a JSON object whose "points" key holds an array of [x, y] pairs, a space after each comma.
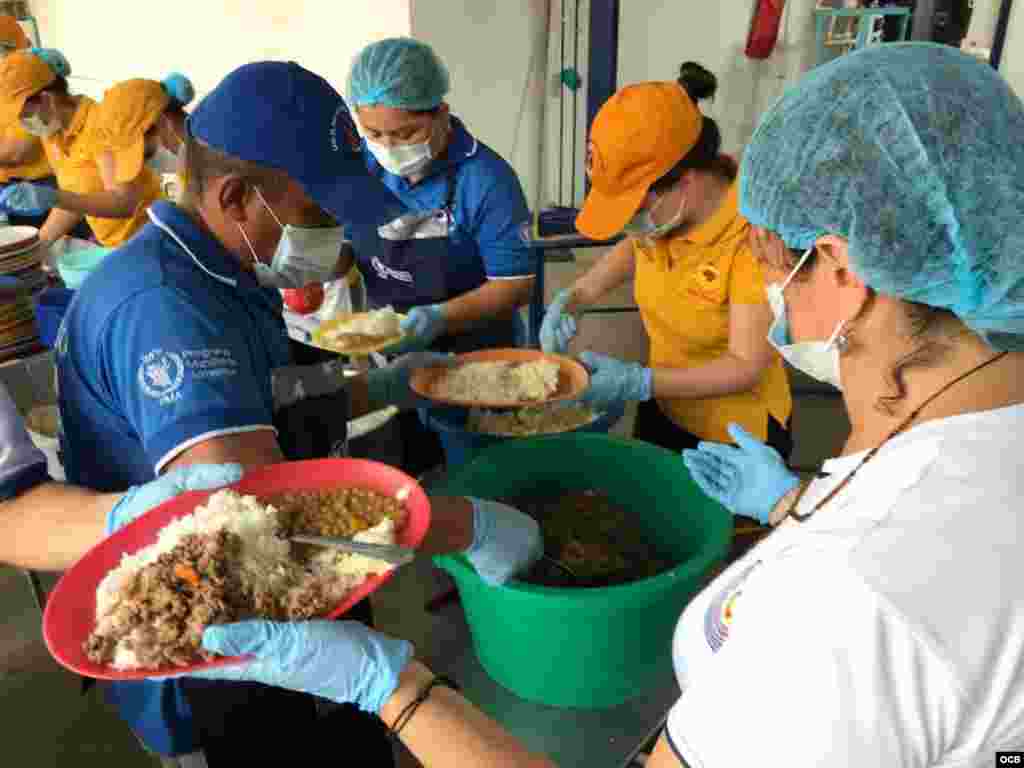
{"points": [[161, 375], [343, 131]]}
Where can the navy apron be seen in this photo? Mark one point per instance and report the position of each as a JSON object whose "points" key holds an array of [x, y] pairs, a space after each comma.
{"points": [[408, 270]]}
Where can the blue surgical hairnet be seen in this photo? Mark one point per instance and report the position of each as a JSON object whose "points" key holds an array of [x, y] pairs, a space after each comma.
{"points": [[179, 88], [915, 154], [398, 72]]}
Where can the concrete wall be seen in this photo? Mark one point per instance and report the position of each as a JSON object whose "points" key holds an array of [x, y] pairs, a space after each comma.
{"points": [[656, 37], [118, 39], [503, 62], [496, 52], [1012, 64]]}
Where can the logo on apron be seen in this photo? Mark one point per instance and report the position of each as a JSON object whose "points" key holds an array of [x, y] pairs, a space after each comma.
{"points": [[719, 615], [384, 272]]}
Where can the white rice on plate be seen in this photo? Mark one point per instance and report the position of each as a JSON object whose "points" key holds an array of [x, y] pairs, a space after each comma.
{"points": [[378, 323], [501, 381], [138, 609]]}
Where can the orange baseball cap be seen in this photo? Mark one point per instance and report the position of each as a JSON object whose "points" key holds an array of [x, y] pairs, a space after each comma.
{"points": [[22, 76], [637, 137], [127, 111], [11, 33]]}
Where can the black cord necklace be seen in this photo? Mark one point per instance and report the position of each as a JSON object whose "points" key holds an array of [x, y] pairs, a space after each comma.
{"points": [[871, 454]]}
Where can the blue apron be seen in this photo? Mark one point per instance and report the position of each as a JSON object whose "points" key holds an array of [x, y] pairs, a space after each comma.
{"points": [[407, 269]]}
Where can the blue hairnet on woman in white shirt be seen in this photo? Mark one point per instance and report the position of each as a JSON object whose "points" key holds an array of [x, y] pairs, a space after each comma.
{"points": [[914, 153]]}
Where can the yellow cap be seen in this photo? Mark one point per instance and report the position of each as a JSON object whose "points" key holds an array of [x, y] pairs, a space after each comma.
{"points": [[22, 76], [11, 33], [637, 137], [127, 111]]}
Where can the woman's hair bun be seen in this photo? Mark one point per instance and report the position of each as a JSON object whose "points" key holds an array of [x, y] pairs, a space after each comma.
{"points": [[179, 88], [698, 82]]}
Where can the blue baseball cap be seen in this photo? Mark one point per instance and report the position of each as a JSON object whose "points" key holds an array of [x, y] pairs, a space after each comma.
{"points": [[280, 115]]}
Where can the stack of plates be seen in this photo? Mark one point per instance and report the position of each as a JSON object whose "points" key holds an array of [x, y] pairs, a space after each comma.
{"points": [[21, 257], [21, 276]]}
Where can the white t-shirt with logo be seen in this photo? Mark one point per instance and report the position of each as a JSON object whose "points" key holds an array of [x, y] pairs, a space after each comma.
{"points": [[887, 630]]}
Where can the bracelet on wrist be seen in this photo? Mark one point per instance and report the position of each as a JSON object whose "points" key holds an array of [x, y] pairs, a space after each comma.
{"points": [[410, 709]]}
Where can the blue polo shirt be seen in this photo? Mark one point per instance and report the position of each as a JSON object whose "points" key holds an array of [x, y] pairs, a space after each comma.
{"points": [[489, 209], [167, 344]]}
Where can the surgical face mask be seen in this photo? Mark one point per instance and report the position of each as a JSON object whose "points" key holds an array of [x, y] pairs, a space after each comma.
{"points": [[163, 161], [818, 359], [643, 225], [303, 255], [403, 159], [39, 127]]}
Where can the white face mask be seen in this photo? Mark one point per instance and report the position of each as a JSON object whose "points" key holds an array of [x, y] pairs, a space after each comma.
{"points": [[403, 159], [163, 161], [39, 127], [818, 359], [303, 255], [642, 224]]}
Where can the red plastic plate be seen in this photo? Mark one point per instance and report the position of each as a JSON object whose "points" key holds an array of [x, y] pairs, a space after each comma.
{"points": [[71, 608]]}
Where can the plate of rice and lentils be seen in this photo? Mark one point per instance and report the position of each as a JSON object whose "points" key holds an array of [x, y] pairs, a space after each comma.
{"points": [[135, 606]]}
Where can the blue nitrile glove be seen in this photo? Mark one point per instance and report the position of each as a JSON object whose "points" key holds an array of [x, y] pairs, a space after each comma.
{"points": [[390, 385], [559, 326], [344, 661], [140, 499], [747, 479], [28, 199], [505, 541], [615, 381], [421, 327]]}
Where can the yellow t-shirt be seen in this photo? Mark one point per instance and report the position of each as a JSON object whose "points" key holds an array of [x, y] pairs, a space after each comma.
{"points": [[684, 287], [72, 153], [38, 168]]}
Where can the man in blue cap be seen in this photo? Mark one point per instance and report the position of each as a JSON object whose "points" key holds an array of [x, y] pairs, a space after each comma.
{"points": [[174, 353]]}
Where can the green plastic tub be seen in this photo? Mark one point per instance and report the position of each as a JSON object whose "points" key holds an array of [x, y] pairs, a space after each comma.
{"points": [[589, 648]]}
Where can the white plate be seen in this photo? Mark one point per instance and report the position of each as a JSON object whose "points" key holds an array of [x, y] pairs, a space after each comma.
{"points": [[11, 235], [19, 252]]}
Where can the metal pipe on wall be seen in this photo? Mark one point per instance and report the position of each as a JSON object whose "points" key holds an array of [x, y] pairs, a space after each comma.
{"points": [[1002, 26], [540, 92], [603, 58]]}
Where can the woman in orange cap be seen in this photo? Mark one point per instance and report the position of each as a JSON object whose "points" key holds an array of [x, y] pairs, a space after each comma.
{"points": [[21, 155], [98, 151], [657, 173]]}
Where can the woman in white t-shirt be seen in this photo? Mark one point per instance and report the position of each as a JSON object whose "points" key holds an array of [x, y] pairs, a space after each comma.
{"points": [[882, 624]]}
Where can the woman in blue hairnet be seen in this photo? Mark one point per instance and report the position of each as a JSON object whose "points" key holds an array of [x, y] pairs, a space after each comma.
{"points": [[883, 622], [454, 260]]}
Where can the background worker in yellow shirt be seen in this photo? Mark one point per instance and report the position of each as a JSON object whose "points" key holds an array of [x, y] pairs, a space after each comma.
{"points": [[657, 174], [21, 154], [97, 151]]}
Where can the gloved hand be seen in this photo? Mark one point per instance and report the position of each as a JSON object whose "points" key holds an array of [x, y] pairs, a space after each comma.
{"points": [[559, 326], [28, 199], [344, 661], [421, 326], [615, 381], [505, 541], [390, 385], [140, 499], [747, 479]]}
